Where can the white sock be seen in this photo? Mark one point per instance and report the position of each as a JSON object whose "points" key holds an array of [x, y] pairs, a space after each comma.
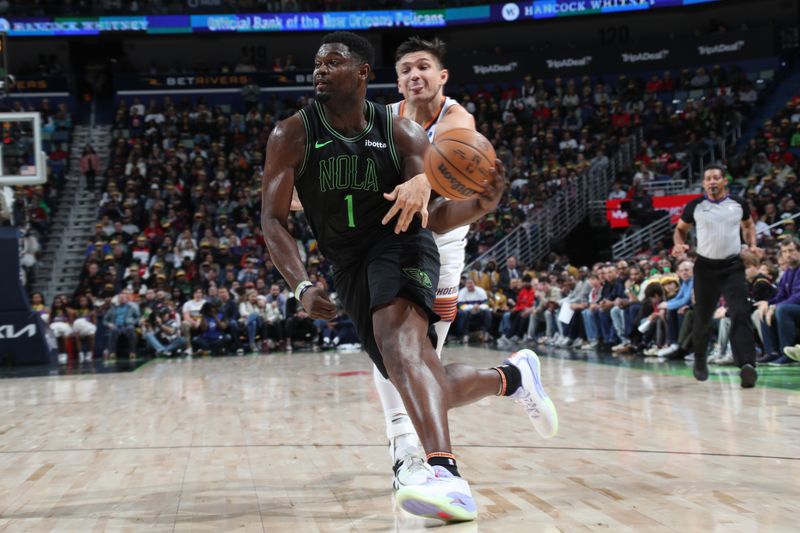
{"points": [[397, 419], [441, 332], [399, 428]]}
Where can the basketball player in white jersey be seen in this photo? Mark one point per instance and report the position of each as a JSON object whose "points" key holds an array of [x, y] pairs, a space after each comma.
{"points": [[421, 77]]}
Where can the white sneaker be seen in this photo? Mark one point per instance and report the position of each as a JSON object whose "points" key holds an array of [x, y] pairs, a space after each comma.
{"points": [[62, 359], [577, 343], [619, 347], [652, 351], [792, 352], [725, 359], [590, 345], [664, 352], [410, 470], [502, 342], [531, 394], [442, 496]]}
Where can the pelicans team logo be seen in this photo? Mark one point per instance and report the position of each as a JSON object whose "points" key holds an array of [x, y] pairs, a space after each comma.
{"points": [[419, 276]]}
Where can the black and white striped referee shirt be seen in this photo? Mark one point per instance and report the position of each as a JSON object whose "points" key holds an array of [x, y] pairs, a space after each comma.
{"points": [[717, 223]]}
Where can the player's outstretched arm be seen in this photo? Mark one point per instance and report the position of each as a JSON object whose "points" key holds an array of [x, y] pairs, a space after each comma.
{"points": [[455, 117], [446, 215], [413, 196], [284, 149]]}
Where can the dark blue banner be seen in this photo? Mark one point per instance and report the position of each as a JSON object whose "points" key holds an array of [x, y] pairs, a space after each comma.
{"points": [[326, 21]]}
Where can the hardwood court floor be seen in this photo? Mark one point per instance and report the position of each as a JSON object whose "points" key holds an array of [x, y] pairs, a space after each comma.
{"points": [[296, 443]]}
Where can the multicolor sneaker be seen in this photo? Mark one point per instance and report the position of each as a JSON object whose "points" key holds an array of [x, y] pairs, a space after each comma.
{"points": [[531, 394], [442, 496]]}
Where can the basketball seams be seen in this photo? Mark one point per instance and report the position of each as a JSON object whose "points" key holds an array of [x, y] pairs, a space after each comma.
{"points": [[438, 185], [477, 185], [449, 139], [452, 177]]}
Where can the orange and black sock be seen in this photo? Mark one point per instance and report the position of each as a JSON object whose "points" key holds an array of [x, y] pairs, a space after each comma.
{"points": [[445, 460], [510, 379]]}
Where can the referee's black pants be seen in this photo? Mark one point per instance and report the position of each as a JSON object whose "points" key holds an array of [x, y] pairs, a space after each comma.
{"points": [[713, 277]]}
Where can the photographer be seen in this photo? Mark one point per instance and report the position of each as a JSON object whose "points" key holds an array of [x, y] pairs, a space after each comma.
{"points": [[164, 333]]}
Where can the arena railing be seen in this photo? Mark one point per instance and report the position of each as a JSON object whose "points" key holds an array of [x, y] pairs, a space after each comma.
{"points": [[646, 237], [560, 214], [664, 188], [716, 152]]}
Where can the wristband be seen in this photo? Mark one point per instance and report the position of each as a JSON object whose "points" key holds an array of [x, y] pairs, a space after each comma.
{"points": [[301, 288]]}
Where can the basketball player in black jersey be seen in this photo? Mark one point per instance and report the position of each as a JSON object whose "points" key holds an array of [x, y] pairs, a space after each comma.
{"points": [[346, 157]]}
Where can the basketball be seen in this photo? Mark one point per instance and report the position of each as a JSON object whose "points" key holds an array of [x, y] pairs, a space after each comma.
{"points": [[459, 163]]}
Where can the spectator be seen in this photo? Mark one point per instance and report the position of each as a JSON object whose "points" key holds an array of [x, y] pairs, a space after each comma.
{"points": [[165, 335], [473, 312], [121, 320], [213, 338], [252, 318], [299, 326], [548, 297], [509, 273], [674, 309], [229, 319], [784, 306], [192, 310], [613, 293], [85, 328], [90, 166], [649, 327], [590, 312], [274, 321], [515, 322], [61, 325]]}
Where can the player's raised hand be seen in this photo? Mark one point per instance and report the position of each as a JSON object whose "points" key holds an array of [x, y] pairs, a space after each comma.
{"points": [[491, 196], [317, 304], [409, 198]]}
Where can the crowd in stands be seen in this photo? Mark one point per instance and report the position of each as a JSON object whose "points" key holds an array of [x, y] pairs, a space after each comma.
{"points": [[31, 208], [639, 307], [180, 201]]}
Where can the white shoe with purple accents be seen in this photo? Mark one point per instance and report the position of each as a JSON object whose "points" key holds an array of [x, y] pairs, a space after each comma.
{"points": [[443, 496], [531, 394]]}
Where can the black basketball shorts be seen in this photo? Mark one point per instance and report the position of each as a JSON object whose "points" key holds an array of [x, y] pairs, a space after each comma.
{"points": [[402, 265]]}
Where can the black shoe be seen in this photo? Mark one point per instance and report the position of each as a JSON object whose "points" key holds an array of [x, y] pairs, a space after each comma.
{"points": [[749, 376], [767, 358], [700, 370], [676, 355]]}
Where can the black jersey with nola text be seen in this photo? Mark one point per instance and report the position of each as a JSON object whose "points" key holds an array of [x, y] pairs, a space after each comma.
{"points": [[341, 182]]}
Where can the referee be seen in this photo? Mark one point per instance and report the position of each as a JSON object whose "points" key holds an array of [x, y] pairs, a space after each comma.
{"points": [[719, 270]]}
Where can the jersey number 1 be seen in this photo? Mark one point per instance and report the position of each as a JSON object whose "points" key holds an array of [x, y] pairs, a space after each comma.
{"points": [[350, 222]]}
